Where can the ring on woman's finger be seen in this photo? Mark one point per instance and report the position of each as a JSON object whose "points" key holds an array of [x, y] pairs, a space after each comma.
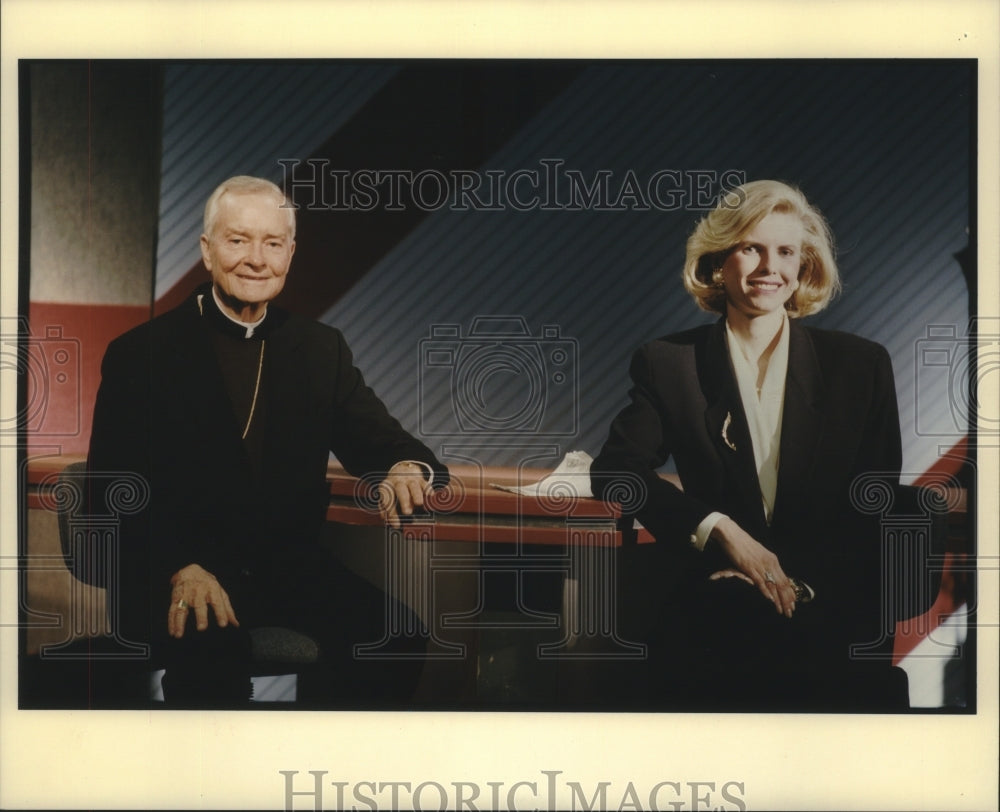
{"points": [[182, 604], [769, 577]]}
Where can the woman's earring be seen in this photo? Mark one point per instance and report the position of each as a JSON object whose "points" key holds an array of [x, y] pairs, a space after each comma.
{"points": [[717, 277]]}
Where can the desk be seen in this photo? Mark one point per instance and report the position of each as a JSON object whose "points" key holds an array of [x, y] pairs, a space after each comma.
{"points": [[571, 536]]}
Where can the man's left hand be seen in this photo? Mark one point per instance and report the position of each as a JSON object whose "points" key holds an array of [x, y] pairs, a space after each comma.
{"points": [[403, 489]]}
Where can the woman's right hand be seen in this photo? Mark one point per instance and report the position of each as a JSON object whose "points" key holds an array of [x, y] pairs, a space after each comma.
{"points": [[757, 563]]}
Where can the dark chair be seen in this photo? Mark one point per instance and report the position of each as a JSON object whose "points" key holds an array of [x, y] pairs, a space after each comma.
{"points": [[275, 651]]}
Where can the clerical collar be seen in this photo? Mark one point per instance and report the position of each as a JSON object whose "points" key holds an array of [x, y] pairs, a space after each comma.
{"points": [[211, 307], [249, 326]]}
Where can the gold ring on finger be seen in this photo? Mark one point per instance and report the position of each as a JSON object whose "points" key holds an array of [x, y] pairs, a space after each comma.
{"points": [[769, 577], [182, 604]]}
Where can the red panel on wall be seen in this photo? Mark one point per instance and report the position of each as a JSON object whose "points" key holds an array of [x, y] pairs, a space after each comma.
{"points": [[63, 370]]}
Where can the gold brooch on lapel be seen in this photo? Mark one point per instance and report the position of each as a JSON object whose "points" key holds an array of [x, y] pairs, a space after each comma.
{"points": [[725, 431]]}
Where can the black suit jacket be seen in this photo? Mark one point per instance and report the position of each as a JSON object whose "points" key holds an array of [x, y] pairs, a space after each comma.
{"points": [[163, 412], [840, 420]]}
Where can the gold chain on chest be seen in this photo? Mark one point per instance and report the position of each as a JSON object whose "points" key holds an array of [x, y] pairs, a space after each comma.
{"points": [[256, 391], [256, 386]]}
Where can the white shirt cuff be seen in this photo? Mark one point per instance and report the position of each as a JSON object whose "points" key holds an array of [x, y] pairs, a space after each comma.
{"points": [[704, 529]]}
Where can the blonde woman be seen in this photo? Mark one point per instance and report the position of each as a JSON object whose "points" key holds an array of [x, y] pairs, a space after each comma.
{"points": [[773, 575]]}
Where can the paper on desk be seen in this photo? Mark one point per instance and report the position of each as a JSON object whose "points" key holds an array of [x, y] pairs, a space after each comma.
{"points": [[571, 478]]}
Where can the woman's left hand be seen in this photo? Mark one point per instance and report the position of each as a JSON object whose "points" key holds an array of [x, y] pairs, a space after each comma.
{"points": [[756, 563]]}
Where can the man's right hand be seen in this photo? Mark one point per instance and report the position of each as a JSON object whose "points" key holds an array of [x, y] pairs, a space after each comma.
{"points": [[196, 588]]}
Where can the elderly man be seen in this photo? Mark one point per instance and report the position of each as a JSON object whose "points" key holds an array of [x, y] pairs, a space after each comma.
{"points": [[229, 407]]}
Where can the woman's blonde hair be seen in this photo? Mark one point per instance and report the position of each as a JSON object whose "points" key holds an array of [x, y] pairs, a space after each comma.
{"points": [[738, 212]]}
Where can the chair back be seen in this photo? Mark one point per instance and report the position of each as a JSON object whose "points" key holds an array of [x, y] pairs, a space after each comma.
{"points": [[70, 498]]}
